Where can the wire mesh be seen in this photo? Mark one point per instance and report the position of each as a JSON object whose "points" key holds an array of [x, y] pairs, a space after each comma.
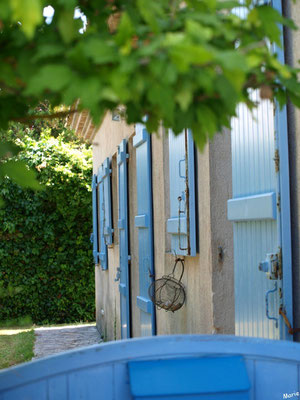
{"points": [[168, 293]]}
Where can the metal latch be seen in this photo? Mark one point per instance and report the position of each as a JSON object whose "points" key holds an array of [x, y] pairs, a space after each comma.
{"points": [[291, 330], [270, 266]]}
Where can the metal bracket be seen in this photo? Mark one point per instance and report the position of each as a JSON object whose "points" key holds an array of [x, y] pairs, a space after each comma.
{"points": [[270, 266], [150, 274], [118, 276], [267, 305]]}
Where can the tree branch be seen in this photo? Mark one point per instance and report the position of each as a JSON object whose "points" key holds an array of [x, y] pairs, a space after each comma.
{"points": [[30, 118]]}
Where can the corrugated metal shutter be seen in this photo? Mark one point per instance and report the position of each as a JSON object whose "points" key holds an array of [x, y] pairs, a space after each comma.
{"points": [[260, 212], [182, 222]]}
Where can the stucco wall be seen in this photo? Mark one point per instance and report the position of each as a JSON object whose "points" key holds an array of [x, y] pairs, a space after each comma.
{"points": [[222, 234], [209, 306]]}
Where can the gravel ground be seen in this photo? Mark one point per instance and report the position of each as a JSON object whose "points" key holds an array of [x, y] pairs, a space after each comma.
{"points": [[61, 338]]}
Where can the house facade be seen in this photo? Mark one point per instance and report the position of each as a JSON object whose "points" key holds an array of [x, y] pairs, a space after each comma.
{"points": [[147, 235], [231, 213]]}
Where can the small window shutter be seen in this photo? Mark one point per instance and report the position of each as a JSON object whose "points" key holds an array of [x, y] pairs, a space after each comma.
{"points": [[95, 220], [182, 222], [106, 176], [103, 247]]}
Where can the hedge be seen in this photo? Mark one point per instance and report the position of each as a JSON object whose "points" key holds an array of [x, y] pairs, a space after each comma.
{"points": [[46, 269]]}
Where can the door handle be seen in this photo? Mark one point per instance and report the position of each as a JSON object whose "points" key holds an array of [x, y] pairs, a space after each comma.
{"points": [[267, 304], [180, 174]]}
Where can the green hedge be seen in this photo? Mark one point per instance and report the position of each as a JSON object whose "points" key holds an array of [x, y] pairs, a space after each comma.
{"points": [[46, 268]]}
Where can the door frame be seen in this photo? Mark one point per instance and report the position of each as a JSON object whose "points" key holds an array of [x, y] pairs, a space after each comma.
{"points": [[281, 137]]}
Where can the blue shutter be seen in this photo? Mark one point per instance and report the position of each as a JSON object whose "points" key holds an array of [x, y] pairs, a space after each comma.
{"points": [[95, 220], [123, 241], [103, 247], [260, 212], [106, 177], [182, 222], [143, 222]]}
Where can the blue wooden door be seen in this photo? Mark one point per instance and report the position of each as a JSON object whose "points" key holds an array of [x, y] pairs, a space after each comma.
{"points": [[101, 220], [107, 214], [123, 240], [261, 220], [143, 222], [94, 237]]}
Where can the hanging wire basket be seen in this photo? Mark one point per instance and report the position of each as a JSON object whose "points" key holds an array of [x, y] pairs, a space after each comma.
{"points": [[168, 293]]}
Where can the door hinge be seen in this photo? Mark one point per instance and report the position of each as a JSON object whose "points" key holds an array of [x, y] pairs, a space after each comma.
{"points": [[279, 257], [278, 202], [276, 159]]}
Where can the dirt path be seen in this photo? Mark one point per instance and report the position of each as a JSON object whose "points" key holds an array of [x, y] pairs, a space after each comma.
{"points": [[61, 338]]}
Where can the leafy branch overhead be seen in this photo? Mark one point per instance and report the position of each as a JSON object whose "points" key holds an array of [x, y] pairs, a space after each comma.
{"points": [[186, 64]]}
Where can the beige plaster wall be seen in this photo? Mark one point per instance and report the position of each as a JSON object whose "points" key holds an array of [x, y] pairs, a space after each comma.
{"points": [[209, 306], [107, 139], [222, 234]]}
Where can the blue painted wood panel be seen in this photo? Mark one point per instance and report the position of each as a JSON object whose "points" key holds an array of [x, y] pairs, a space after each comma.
{"points": [[123, 239], [95, 220], [103, 247], [102, 372], [182, 222], [143, 222], [257, 207], [211, 376], [107, 202], [259, 145]]}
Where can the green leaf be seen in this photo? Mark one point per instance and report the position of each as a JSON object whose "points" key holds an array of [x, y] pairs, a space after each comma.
{"points": [[125, 30], [19, 173], [150, 11], [52, 76], [198, 31], [100, 51], [68, 26], [228, 4], [232, 60], [8, 150], [7, 71], [183, 53], [184, 97], [48, 50], [90, 94], [29, 13]]}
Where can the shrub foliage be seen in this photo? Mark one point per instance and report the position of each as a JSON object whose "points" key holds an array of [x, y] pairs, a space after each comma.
{"points": [[46, 259]]}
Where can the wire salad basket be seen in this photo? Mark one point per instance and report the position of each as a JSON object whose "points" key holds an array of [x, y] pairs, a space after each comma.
{"points": [[168, 293]]}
